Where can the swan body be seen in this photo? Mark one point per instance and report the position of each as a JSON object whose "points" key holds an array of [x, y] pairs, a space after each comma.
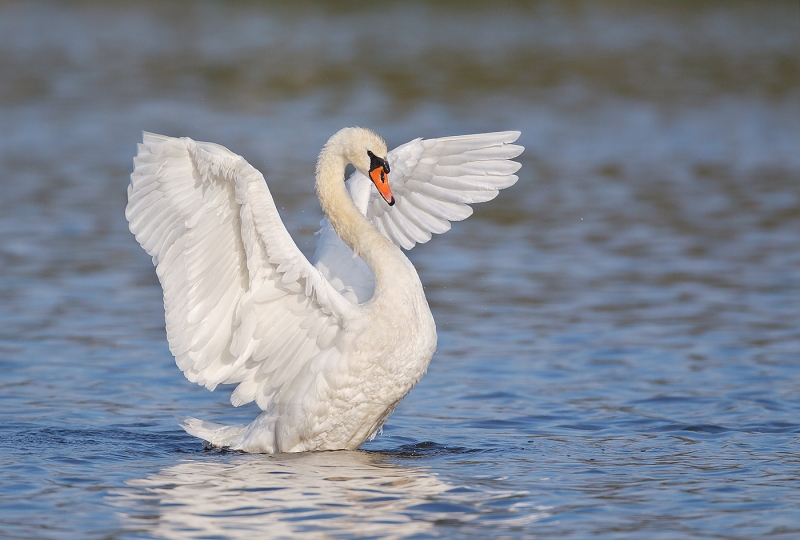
{"points": [[327, 348]]}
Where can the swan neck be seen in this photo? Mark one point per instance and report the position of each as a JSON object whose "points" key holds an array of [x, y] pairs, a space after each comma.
{"points": [[349, 223]]}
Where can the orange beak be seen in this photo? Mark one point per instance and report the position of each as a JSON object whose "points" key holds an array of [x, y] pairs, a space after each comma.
{"points": [[380, 177]]}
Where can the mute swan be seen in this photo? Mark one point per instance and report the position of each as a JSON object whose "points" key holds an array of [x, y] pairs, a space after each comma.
{"points": [[327, 350]]}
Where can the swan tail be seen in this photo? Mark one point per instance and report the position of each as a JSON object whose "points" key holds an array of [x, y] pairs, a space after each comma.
{"points": [[218, 435]]}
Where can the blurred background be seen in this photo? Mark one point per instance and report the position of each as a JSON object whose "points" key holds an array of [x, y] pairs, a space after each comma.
{"points": [[619, 341]]}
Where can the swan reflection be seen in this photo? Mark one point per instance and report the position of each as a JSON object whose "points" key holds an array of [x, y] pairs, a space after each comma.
{"points": [[284, 495]]}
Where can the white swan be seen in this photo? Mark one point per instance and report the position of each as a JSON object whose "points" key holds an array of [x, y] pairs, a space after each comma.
{"points": [[327, 350]]}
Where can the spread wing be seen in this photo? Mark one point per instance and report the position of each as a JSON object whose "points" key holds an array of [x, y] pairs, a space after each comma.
{"points": [[243, 305], [433, 181]]}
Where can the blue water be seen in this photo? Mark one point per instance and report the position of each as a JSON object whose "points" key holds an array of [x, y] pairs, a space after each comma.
{"points": [[619, 348]]}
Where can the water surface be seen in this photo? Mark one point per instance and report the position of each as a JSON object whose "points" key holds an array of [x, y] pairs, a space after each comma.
{"points": [[618, 332]]}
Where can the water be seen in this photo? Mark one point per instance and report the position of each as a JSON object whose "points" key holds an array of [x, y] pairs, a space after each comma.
{"points": [[618, 337]]}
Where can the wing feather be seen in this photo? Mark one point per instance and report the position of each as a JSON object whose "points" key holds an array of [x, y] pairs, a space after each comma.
{"points": [[435, 180], [242, 304]]}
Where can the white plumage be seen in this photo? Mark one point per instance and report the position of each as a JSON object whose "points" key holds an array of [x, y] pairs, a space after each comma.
{"points": [[327, 350]]}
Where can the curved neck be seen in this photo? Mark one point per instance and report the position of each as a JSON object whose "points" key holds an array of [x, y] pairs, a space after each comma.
{"points": [[349, 223]]}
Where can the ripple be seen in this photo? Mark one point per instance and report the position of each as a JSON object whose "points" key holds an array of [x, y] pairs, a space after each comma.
{"points": [[427, 449]]}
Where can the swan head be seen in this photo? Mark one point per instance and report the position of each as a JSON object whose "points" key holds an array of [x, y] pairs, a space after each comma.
{"points": [[366, 150]]}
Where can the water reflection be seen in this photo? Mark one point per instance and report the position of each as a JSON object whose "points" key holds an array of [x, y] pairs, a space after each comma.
{"points": [[285, 495]]}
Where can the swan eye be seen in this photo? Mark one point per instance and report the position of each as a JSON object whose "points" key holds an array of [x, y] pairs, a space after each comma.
{"points": [[376, 162]]}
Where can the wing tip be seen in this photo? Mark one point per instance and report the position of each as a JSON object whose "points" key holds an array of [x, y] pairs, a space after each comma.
{"points": [[152, 138]]}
